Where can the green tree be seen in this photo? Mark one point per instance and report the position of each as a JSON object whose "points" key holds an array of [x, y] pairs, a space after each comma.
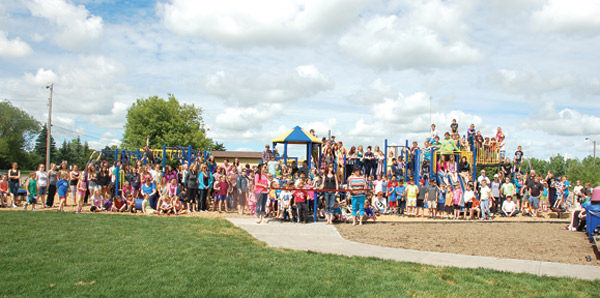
{"points": [[167, 122], [217, 147], [40, 144], [17, 132]]}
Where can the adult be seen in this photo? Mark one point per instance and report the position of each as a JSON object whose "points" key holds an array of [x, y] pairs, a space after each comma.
{"points": [[52, 180], [149, 188], [73, 180], [485, 196], [266, 155], [357, 184], [535, 192], [551, 182], [369, 162], [509, 209], [261, 189], [329, 183], [495, 186], [14, 178], [42, 185], [192, 188], [482, 178], [242, 188], [204, 184]]}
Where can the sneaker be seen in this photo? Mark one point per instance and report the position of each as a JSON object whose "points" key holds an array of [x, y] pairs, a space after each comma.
{"points": [[14, 206]]}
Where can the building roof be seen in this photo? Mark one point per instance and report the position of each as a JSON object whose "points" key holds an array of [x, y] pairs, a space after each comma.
{"points": [[236, 154]]}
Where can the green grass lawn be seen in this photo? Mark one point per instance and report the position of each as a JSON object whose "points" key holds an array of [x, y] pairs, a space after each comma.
{"points": [[65, 254]]}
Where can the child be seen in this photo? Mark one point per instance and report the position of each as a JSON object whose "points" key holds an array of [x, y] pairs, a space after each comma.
{"points": [[222, 188], [62, 187], [4, 194], [544, 199], [119, 205], [166, 207], [285, 199], [271, 205], [300, 198], [346, 211], [457, 194], [251, 197], [369, 214], [81, 190], [400, 198], [441, 203], [411, 193], [379, 204], [392, 195], [31, 188], [146, 209], [96, 201], [449, 206], [337, 212], [178, 207]]}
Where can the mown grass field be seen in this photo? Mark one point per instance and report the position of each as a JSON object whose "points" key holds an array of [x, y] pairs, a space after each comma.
{"points": [[64, 254]]}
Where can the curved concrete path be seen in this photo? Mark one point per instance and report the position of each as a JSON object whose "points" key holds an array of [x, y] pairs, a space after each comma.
{"points": [[319, 237]]}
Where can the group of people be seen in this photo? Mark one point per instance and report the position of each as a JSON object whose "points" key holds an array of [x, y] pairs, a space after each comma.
{"points": [[347, 185]]}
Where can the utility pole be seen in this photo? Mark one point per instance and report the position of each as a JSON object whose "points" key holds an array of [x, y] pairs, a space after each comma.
{"points": [[49, 127]]}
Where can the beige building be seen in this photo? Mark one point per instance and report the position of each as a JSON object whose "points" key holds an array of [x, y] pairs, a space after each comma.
{"points": [[245, 157]]}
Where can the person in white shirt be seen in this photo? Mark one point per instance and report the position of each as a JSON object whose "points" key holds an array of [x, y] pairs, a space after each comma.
{"points": [[42, 185], [509, 208], [485, 195], [468, 197]]}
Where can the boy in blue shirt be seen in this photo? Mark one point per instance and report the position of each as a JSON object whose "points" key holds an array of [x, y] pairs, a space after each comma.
{"points": [[400, 197], [62, 186]]}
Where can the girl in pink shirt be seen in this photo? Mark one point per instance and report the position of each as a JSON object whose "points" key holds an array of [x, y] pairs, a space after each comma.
{"points": [[261, 185]]}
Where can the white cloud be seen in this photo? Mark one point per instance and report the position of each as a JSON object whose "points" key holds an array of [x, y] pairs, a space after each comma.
{"points": [[428, 34], [261, 22], [375, 93], [246, 118], [529, 82], [569, 17], [115, 119], [566, 122], [107, 139], [13, 48], [83, 87], [247, 89], [78, 29]]}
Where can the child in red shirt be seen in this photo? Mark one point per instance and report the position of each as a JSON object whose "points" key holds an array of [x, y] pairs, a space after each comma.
{"points": [[222, 187], [300, 197]]}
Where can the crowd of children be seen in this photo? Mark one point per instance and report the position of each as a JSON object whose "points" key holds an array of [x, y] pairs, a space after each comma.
{"points": [[276, 190]]}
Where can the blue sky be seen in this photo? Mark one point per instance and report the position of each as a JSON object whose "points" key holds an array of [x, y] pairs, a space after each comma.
{"points": [[364, 69]]}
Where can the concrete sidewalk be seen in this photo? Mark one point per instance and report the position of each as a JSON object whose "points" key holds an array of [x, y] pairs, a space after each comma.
{"points": [[319, 237]]}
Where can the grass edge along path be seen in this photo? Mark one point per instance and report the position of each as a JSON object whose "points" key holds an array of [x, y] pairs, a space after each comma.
{"points": [[64, 254]]}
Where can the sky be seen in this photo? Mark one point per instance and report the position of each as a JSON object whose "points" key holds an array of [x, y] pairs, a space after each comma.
{"points": [[365, 70]]}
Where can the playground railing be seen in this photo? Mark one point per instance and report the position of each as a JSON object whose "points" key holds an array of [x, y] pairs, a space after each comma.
{"points": [[486, 156]]}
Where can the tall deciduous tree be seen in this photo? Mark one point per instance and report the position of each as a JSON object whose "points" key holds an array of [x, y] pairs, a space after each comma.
{"points": [[17, 132], [167, 122]]}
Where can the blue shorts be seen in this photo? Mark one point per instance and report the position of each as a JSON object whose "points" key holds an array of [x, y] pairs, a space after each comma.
{"points": [[222, 198], [31, 199]]}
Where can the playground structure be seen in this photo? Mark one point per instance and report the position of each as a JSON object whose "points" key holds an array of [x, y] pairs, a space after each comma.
{"points": [[183, 154], [476, 158]]}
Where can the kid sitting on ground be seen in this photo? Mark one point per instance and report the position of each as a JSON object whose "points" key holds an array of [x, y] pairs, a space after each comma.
{"points": [[369, 214], [96, 201], [337, 212], [166, 207], [119, 205], [379, 204], [146, 209]]}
